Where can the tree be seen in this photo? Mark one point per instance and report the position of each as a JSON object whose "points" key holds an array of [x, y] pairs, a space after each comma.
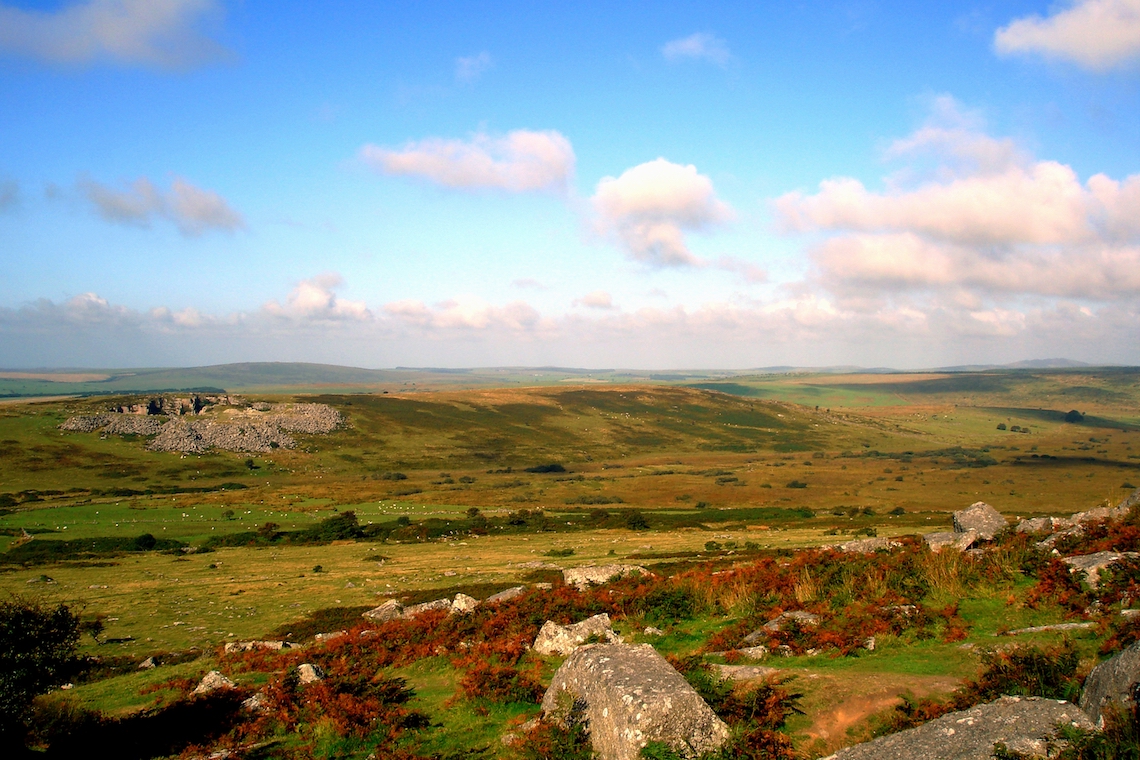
{"points": [[1073, 416], [37, 653]]}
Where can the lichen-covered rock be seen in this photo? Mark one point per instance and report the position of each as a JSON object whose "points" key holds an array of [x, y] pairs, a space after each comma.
{"points": [[1112, 682], [868, 545], [419, 609], [582, 578], [555, 639], [1022, 724], [950, 540], [389, 610], [211, 682], [308, 673], [743, 672], [505, 595], [630, 696], [1091, 564], [1043, 524], [801, 618], [249, 646], [148, 664], [980, 518], [462, 604]]}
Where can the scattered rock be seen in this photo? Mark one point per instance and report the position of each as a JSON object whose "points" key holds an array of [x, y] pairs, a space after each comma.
{"points": [[798, 617], [564, 639], [211, 682], [950, 540], [1022, 724], [538, 565], [582, 578], [980, 518], [1043, 525], [257, 703], [628, 697], [506, 595], [249, 646], [1092, 564], [754, 653], [1112, 681], [329, 636], [389, 610], [462, 604], [869, 545], [148, 664], [653, 631], [308, 673], [1054, 627], [419, 609], [743, 672]]}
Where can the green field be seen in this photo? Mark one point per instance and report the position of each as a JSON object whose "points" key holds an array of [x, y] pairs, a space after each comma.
{"points": [[437, 478]]}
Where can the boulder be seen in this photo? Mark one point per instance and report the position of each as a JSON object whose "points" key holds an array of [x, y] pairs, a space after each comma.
{"points": [[1092, 564], [564, 639], [331, 636], [950, 540], [462, 604], [582, 578], [308, 673], [506, 595], [743, 672], [249, 646], [1112, 682], [148, 664], [753, 653], [651, 630], [800, 618], [211, 682], [1043, 524], [868, 545], [980, 518], [389, 610], [419, 609], [1022, 724], [257, 703], [629, 696]]}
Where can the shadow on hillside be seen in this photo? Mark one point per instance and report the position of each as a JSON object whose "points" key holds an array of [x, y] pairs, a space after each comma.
{"points": [[1054, 416]]}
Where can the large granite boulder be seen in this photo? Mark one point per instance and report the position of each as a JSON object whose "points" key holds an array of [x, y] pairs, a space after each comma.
{"points": [[506, 595], [1092, 564], [389, 610], [629, 696], [582, 578], [211, 682], [433, 606], [462, 604], [1112, 681], [564, 639], [980, 518], [959, 542], [868, 545], [1022, 724]]}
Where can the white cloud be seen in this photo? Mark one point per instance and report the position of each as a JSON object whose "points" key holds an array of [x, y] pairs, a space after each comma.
{"points": [[464, 314], [599, 299], [160, 33], [470, 68], [1095, 34], [1001, 222], [699, 46], [651, 207], [191, 208], [522, 161], [316, 299]]}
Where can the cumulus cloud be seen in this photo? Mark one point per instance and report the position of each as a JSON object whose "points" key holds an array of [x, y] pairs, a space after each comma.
{"points": [[1094, 34], [1009, 224], [522, 161], [699, 46], [599, 299], [316, 299], [470, 68], [160, 33], [192, 209], [651, 207]]}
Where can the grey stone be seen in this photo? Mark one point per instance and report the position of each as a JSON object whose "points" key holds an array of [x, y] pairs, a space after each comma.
{"points": [[869, 545], [1053, 627], [800, 618], [249, 646], [754, 653], [743, 672], [308, 673], [257, 703], [331, 636], [148, 664], [506, 595], [1092, 564], [628, 697], [582, 578], [1112, 682], [653, 631], [555, 639], [1043, 525], [389, 610], [950, 540], [419, 609], [211, 682], [462, 604], [1022, 724], [980, 518]]}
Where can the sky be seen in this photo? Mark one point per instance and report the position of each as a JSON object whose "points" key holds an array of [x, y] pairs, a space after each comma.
{"points": [[600, 185]]}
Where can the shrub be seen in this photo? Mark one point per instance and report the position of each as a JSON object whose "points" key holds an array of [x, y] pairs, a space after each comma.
{"points": [[552, 467], [796, 484], [500, 683], [1073, 416], [636, 521]]}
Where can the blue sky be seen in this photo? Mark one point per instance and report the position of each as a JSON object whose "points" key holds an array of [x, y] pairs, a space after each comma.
{"points": [[647, 186]]}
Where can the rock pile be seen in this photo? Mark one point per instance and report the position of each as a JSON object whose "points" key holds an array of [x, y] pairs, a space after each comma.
{"points": [[555, 639], [630, 696]]}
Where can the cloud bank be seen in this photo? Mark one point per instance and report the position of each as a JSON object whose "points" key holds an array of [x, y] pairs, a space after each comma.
{"points": [[523, 161], [158, 33], [1094, 34], [193, 210]]}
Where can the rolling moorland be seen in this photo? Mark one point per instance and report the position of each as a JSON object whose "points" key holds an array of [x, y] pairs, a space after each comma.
{"points": [[439, 483]]}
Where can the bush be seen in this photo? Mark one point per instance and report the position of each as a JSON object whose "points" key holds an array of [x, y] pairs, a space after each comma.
{"points": [[636, 521], [1073, 416], [552, 467], [37, 653], [796, 484]]}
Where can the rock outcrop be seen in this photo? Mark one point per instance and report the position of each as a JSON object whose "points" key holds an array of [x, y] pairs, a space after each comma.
{"points": [[389, 610], [980, 518], [308, 673], [1091, 564], [868, 545], [211, 682], [555, 639], [1112, 682], [463, 604], [582, 578], [249, 646], [419, 609], [506, 595], [630, 696], [950, 540], [1022, 724]]}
